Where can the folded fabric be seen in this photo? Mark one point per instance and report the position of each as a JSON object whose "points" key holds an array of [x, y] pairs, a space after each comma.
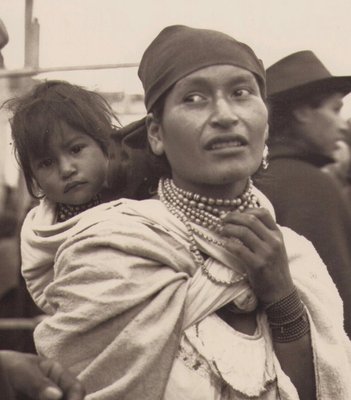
{"points": [[122, 295]]}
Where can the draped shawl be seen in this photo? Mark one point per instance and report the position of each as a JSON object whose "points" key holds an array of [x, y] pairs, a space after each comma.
{"points": [[126, 288]]}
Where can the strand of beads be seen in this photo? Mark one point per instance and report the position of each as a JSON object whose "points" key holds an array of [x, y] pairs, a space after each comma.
{"points": [[240, 203], [193, 209], [207, 211], [198, 215]]}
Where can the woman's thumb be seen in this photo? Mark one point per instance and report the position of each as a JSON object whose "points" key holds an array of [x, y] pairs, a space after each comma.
{"points": [[50, 392]]}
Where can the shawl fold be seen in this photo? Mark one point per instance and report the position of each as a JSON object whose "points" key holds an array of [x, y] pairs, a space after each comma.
{"points": [[40, 240]]}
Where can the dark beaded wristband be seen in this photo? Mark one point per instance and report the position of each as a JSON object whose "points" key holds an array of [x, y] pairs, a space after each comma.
{"points": [[291, 332], [287, 318]]}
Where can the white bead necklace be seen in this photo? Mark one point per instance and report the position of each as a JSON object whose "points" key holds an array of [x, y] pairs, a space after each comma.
{"points": [[192, 209]]}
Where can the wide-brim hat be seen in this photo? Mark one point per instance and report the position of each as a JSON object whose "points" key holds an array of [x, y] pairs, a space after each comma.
{"points": [[301, 74]]}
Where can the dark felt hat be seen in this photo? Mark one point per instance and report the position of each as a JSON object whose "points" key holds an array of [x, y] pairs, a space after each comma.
{"points": [[301, 74]]}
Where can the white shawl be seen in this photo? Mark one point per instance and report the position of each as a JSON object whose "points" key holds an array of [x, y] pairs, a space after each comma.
{"points": [[40, 239], [122, 295]]}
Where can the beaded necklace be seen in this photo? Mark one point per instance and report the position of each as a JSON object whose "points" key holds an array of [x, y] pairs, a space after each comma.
{"points": [[67, 211], [193, 209]]}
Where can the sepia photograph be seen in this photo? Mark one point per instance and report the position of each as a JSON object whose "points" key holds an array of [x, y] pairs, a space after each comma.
{"points": [[175, 200]]}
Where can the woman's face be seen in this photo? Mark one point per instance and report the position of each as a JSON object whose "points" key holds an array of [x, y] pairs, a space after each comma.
{"points": [[213, 130]]}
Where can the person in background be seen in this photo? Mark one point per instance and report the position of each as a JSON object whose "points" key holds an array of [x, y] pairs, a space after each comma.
{"points": [[305, 125], [28, 376], [340, 168], [9, 253], [61, 135], [15, 301], [197, 293]]}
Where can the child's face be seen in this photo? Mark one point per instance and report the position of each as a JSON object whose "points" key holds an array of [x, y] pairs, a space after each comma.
{"points": [[74, 169]]}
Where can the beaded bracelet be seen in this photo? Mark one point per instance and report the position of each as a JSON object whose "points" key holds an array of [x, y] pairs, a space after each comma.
{"points": [[287, 318]]}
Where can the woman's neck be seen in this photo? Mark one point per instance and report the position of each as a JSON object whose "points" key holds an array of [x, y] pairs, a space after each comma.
{"points": [[224, 191]]}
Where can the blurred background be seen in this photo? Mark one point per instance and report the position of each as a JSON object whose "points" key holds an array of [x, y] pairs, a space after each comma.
{"points": [[98, 44]]}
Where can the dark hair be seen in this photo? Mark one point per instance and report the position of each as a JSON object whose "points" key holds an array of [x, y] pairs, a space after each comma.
{"points": [[281, 117], [37, 114]]}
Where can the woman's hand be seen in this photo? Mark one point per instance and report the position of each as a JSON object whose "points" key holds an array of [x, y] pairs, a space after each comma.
{"points": [[255, 239]]}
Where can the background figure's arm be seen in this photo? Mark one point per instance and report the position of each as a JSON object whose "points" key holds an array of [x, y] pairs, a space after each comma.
{"points": [[36, 377]]}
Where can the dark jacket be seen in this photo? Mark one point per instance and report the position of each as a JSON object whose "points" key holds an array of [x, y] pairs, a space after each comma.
{"points": [[311, 203]]}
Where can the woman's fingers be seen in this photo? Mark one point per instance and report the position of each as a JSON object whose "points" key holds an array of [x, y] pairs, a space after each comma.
{"points": [[256, 240], [255, 229], [258, 219]]}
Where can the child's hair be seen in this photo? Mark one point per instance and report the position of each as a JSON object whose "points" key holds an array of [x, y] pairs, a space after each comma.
{"points": [[39, 112]]}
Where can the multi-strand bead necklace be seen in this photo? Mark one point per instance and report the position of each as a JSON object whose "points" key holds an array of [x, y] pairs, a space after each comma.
{"points": [[193, 209]]}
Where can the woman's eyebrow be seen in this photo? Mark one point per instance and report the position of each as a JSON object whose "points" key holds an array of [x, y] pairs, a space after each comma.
{"points": [[243, 78]]}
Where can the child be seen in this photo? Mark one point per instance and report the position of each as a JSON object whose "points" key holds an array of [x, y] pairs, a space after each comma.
{"points": [[61, 134]]}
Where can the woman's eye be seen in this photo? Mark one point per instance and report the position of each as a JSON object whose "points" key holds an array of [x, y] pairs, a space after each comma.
{"points": [[194, 98], [241, 92]]}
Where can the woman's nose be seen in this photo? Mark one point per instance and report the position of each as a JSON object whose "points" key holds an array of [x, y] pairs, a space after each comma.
{"points": [[224, 113]]}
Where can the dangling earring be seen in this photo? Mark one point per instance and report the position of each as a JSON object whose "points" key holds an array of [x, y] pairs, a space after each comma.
{"points": [[265, 162]]}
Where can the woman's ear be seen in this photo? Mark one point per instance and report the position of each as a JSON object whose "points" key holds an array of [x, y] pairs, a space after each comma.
{"points": [[154, 134]]}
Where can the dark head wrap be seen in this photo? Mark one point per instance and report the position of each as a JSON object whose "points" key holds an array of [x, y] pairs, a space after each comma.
{"points": [[178, 51]]}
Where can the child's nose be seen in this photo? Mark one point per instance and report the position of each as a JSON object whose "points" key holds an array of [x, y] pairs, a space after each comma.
{"points": [[67, 168]]}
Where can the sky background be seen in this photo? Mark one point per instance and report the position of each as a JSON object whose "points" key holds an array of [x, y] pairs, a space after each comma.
{"points": [[90, 32]]}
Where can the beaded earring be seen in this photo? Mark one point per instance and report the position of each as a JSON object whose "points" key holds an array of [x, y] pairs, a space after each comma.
{"points": [[265, 162]]}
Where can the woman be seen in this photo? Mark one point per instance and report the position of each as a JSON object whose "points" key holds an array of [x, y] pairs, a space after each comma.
{"points": [[197, 293]]}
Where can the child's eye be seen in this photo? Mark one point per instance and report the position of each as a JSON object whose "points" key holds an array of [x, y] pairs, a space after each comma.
{"points": [[76, 148], [45, 163]]}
